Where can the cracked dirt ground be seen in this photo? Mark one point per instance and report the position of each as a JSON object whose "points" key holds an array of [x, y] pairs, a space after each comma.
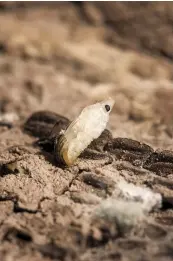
{"points": [[53, 62]]}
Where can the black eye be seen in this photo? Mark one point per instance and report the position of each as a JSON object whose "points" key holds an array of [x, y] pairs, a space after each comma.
{"points": [[107, 107]]}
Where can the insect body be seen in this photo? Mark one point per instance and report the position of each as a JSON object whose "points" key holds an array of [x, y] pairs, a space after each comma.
{"points": [[82, 131]]}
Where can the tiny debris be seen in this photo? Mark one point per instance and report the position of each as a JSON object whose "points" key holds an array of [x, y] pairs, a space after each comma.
{"points": [[149, 199], [125, 214], [7, 119]]}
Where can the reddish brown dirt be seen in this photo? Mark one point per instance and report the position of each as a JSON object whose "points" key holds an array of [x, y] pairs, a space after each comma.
{"points": [[52, 59]]}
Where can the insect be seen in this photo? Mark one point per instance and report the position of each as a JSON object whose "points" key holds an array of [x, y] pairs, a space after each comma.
{"points": [[81, 132]]}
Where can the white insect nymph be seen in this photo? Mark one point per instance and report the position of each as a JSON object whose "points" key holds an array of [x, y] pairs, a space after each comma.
{"points": [[81, 132]]}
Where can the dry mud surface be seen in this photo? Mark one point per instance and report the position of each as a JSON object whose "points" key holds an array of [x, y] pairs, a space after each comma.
{"points": [[52, 62]]}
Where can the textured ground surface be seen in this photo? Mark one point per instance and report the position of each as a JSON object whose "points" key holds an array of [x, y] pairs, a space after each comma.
{"points": [[49, 60]]}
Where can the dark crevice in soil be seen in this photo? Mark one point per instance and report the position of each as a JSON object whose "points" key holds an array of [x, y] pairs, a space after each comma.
{"points": [[3, 48], [18, 234], [166, 55], [92, 242], [55, 252], [6, 124], [18, 209], [13, 198], [167, 204], [70, 183]]}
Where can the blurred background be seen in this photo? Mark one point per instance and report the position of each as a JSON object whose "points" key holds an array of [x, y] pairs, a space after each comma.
{"points": [[62, 56]]}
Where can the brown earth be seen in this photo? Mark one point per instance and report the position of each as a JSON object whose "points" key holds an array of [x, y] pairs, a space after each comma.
{"points": [[59, 59]]}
